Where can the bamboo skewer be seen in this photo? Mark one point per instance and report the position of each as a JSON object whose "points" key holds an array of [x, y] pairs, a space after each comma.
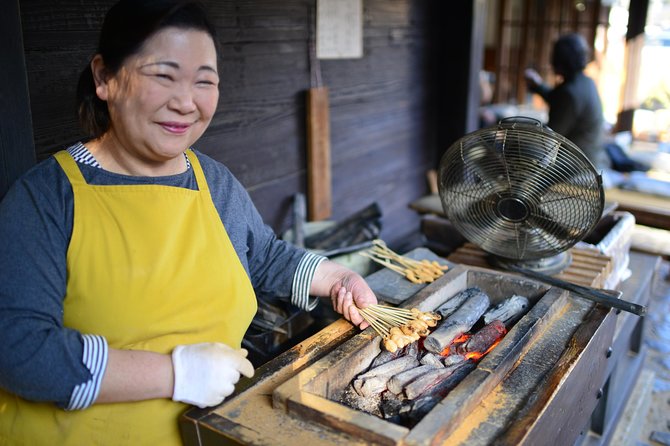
{"points": [[416, 271]]}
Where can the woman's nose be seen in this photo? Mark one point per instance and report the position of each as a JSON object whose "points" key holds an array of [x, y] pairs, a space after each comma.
{"points": [[182, 100]]}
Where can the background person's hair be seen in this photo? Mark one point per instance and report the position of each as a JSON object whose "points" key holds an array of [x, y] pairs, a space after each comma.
{"points": [[127, 25], [570, 55]]}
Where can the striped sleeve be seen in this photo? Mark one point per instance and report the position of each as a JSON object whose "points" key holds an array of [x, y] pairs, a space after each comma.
{"points": [[95, 359], [302, 281]]}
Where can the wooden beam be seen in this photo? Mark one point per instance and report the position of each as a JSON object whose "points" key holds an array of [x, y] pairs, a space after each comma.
{"points": [[319, 206], [17, 149]]}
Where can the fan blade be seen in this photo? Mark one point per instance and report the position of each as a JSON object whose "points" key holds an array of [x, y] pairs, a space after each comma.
{"points": [[480, 161], [563, 234]]}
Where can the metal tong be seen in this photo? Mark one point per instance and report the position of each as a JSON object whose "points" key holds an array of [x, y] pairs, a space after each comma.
{"points": [[609, 298]]}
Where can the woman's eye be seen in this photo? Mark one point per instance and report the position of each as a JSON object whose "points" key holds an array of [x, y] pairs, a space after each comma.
{"points": [[164, 76]]}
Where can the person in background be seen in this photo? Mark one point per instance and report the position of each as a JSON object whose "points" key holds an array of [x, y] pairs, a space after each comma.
{"points": [[129, 262], [575, 109]]}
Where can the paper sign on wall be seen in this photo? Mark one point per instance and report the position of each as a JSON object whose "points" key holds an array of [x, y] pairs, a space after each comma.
{"points": [[339, 29]]}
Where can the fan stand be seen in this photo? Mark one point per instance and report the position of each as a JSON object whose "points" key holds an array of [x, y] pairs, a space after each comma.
{"points": [[548, 265]]}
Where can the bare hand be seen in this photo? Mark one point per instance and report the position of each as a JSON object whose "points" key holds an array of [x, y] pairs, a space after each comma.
{"points": [[347, 290], [533, 78], [349, 294]]}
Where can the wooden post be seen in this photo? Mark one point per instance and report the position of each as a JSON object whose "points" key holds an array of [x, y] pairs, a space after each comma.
{"points": [[318, 155]]}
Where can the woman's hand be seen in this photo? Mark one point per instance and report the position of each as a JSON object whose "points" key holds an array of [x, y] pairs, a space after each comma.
{"points": [[347, 290]]}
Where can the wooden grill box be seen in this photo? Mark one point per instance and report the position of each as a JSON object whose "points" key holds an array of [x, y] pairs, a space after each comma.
{"points": [[555, 321]]}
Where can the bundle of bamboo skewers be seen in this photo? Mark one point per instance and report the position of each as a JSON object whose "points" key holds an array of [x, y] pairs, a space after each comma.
{"points": [[398, 326], [416, 271]]}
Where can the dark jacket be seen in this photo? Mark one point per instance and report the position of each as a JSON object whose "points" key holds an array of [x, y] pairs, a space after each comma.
{"points": [[575, 111]]}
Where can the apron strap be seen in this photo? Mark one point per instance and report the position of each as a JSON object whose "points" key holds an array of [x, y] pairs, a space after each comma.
{"points": [[197, 170], [69, 166]]}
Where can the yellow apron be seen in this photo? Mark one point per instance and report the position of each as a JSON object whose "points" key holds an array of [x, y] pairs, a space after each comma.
{"points": [[149, 267]]}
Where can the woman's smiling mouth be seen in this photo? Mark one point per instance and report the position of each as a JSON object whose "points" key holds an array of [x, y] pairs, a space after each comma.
{"points": [[175, 127]]}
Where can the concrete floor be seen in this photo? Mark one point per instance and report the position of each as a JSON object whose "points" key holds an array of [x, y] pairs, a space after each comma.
{"points": [[646, 419]]}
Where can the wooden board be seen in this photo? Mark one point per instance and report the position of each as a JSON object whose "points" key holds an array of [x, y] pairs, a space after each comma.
{"points": [[588, 267], [393, 288], [318, 155], [649, 210]]}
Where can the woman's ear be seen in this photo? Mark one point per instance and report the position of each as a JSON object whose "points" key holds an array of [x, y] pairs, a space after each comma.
{"points": [[100, 77]]}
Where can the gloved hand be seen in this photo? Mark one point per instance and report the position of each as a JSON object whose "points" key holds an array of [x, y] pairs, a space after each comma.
{"points": [[204, 374]]}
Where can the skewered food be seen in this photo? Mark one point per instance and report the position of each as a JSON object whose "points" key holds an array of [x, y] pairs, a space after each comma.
{"points": [[416, 271], [399, 327]]}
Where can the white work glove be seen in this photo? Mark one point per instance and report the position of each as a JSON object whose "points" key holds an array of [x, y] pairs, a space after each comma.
{"points": [[204, 374]]}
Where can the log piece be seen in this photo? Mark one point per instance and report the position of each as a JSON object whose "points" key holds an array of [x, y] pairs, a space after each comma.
{"points": [[432, 359], [425, 403], [390, 406], [507, 311], [449, 307], [375, 380], [481, 341], [398, 382], [459, 322], [437, 382], [453, 359], [386, 356]]}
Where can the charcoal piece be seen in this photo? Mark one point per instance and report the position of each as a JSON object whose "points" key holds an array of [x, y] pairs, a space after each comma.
{"points": [[426, 381], [398, 382], [385, 356], [453, 359], [449, 307], [390, 405], [432, 359], [420, 407], [374, 381], [440, 381], [412, 349], [481, 341], [507, 311], [459, 322]]}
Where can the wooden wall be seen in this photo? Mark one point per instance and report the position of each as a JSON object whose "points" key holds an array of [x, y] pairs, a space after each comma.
{"points": [[384, 124]]}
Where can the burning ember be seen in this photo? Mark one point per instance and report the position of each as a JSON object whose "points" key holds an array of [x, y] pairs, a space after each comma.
{"points": [[403, 385], [478, 345]]}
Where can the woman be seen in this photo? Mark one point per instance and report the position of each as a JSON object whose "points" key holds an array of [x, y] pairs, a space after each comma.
{"points": [[575, 109], [128, 264]]}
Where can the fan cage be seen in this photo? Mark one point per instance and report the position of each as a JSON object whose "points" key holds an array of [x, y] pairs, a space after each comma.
{"points": [[521, 192]]}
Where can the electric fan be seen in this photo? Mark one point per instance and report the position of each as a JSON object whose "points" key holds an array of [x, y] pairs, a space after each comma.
{"points": [[521, 192]]}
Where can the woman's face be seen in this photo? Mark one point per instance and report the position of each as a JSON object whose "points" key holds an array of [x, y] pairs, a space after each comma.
{"points": [[162, 98]]}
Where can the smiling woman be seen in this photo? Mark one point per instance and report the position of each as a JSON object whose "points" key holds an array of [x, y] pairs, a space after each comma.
{"points": [[130, 262]]}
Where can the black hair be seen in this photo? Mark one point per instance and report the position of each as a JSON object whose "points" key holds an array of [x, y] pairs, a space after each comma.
{"points": [[570, 55], [127, 25]]}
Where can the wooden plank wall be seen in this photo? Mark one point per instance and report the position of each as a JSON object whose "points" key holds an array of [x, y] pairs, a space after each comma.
{"points": [[383, 126], [17, 153]]}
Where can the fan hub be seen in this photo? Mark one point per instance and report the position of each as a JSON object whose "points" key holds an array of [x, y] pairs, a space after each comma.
{"points": [[513, 209]]}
